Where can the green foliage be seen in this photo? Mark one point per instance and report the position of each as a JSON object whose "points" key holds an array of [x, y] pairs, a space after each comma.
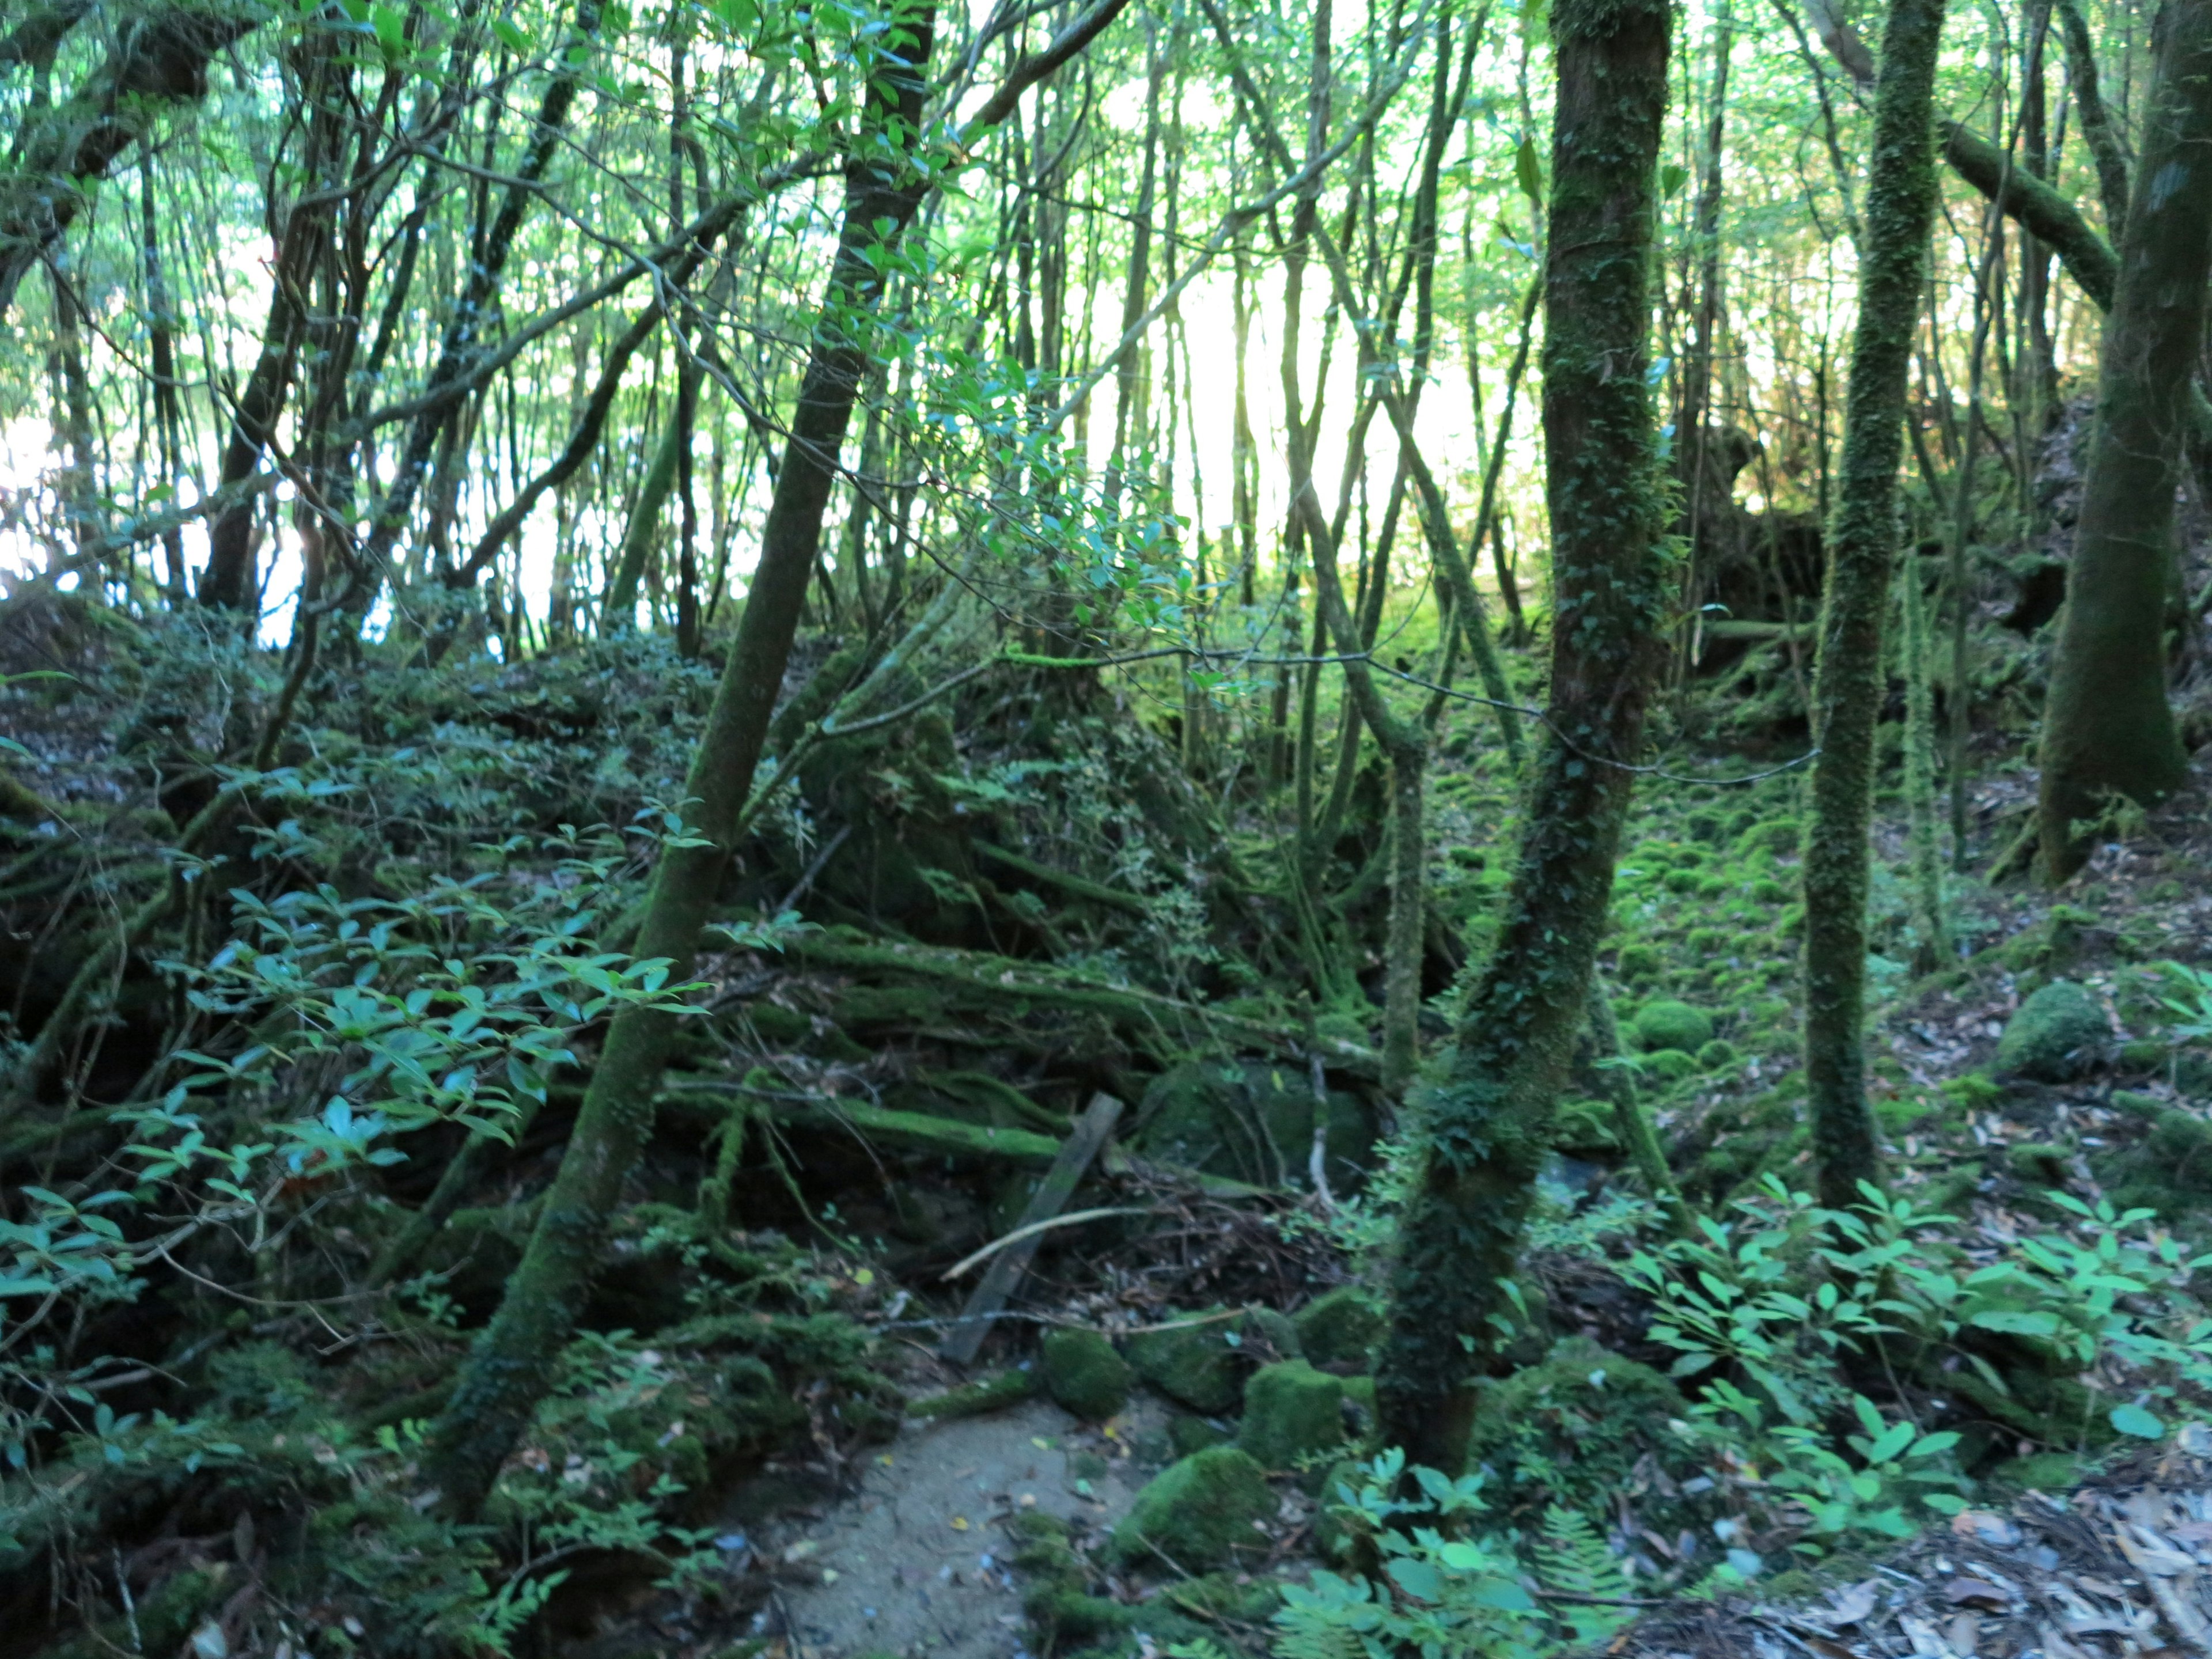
{"points": [[1442, 1591]]}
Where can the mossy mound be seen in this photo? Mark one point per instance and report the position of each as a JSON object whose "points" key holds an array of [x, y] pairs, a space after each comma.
{"points": [[1291, 1411], [1193, 1364], [1197, 1514], [1251, 1120], [1340, 1326], [2055, 1035], [1572, 1430], [2169, 1169], [977, 1398], [1188, 1434], [1084, 1374], [1667, 1024]]}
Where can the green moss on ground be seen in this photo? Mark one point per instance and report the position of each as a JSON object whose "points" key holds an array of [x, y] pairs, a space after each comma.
{"points": [[1671, 1024], [1193, 1364], [1292, 1412], [2057, 1034], [1084, 1374], [1197, 1514]]}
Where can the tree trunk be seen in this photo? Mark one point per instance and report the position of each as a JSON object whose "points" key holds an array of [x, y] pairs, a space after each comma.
{"points": [[1486, 1125], [1849, 686], [514, 1359], [2107, 729], [2097, 124], [618, 610]]}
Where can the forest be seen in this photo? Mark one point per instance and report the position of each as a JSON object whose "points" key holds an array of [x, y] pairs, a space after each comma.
{"points": [[1170, 829]]}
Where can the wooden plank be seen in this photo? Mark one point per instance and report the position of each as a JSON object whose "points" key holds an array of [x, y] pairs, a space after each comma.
{"points": [[965, 1339]]}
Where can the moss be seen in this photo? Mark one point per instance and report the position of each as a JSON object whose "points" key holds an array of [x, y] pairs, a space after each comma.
{"points": [[1270, 1335], [1341, 1325], [1188, 1434], [2169, 1169], [1667, 1024], [977, 1398], [1198, 1513], [2144, 1057], [1191, 1363], [1671, 1065], [1084, 1374], [1638, 962], [1775, 835], [1716, 1054], [2046, 1472], [2055, 1035], [1573, 1429], [1291, 1411], [1767, 891]]}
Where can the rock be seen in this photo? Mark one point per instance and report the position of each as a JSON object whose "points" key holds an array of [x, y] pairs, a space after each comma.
{"points": [[1291, 1410], [1667, 1024], [1193, 1364], [1339, 1325], [1084, 1374], [1716, 1054], [2055, 1035], [1269, 1336], [1197, 1514]]}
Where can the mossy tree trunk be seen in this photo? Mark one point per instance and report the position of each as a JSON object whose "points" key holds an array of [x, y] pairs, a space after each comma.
{"points": [[1849, 684], [2107, 729], [1485, 1126], [513, 1360]]}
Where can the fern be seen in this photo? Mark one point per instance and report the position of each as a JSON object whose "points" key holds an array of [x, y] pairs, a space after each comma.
{"points": [[1572, 1559]]}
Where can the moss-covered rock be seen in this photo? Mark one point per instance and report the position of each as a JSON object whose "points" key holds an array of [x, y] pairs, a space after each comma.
{"points": [[1197, 1514], [2055, 1035], [1291, 1411], [1193, 1364], [1340, 1326], [1270, 1335], [2169, 1168], [1667, 1024], [1084, 1374], [1716, 1054], [1572, 1430]]}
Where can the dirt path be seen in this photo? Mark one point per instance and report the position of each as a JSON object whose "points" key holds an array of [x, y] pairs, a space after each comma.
{"points": [[916, 1562]]}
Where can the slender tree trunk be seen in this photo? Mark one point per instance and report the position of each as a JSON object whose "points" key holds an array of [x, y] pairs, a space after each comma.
{"points": [[2107, 729], [514, 1359], [1848, 690], [2098, 128], [618, 610], [1487, 1128]]}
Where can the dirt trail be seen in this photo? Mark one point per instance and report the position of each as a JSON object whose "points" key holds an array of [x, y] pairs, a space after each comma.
{"points": [[914, 1563]]}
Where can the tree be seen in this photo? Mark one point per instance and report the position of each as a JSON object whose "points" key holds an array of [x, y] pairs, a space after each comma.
{"points": [[2107, 728], [1849, 684], [1483, 1130]]}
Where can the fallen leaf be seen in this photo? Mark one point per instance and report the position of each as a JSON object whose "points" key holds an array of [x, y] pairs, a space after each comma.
{"points": [[1964, 1634], [959, 1523], [1986, 1526], [1961, 1591], [1852, 1604]]}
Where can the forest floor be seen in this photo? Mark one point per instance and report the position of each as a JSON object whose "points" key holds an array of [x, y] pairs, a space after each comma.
{"points": [[1011, 912]]}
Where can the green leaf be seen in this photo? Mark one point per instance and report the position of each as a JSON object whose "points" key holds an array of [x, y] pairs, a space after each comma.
{"points": [[2015, 1323], [1672, 177], [2133, 1420], [1527, 173]]}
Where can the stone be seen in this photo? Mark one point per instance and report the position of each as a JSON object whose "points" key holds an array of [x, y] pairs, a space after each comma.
{"points": [[2055, 1035], [1197, 1514], [1341, 1327], [1084, 1374], [1667, 1024], [1252, 1121], [1292, 1412], [1193, 1364]]}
